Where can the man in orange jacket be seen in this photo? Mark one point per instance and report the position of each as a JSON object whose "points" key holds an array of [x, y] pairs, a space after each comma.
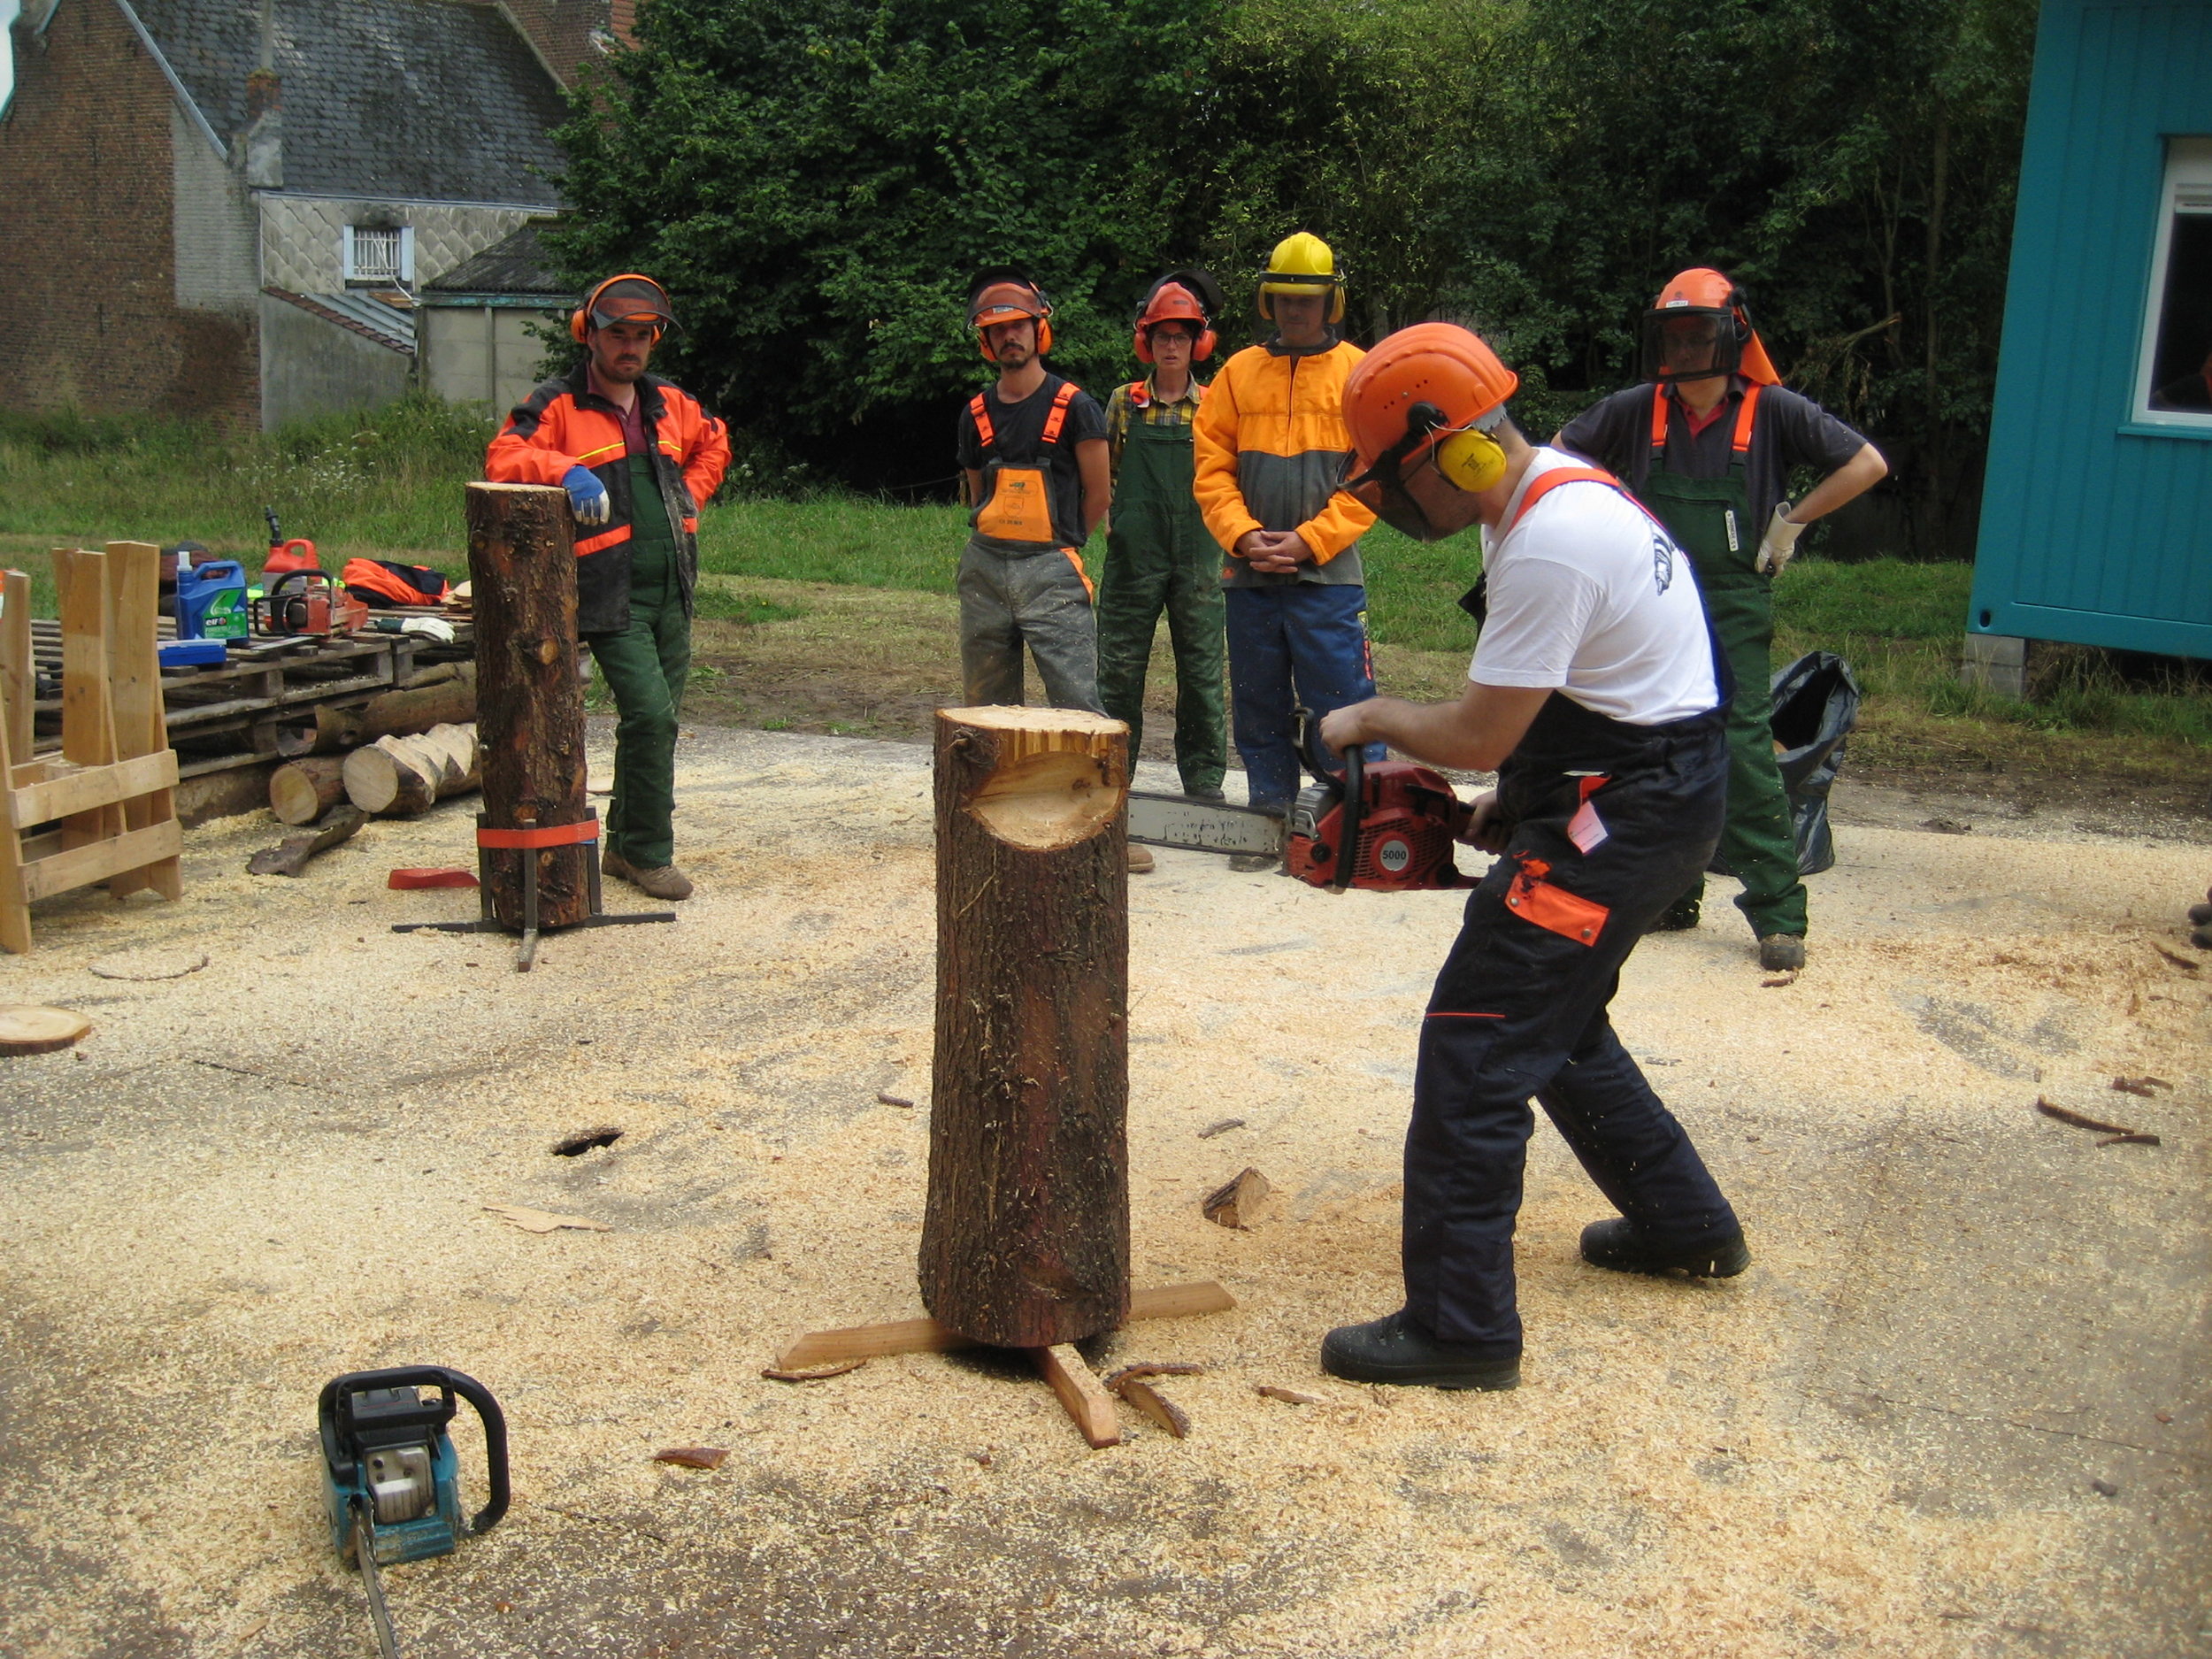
{"points": [[637, 458], [1271, 446]]}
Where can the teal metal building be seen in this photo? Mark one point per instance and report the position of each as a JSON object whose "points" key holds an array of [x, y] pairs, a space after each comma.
{"points": [[2096, 521]]}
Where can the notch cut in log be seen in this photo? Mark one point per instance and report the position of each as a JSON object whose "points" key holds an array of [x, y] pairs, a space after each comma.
{"points": [[1025, 1237], [530, 713]]}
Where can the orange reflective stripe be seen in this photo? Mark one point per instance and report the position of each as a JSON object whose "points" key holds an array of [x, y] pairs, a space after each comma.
{"points": [[982, 421], [1742, 445], [1056, 415], [1076, 559], [1658, 417], [1551, 481], [609, 538]]}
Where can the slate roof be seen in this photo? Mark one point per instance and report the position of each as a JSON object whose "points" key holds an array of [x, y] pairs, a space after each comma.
{"points": [[425, 98], [515, 263]]}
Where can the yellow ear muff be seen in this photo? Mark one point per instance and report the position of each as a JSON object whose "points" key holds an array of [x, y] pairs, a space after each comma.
{"points": [[1470, 460]]}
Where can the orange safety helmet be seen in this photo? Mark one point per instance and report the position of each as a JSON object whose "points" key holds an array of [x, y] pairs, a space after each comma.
{"points": [[998, 295], [1703, 292], [1185, 297], [636, 299], [1434, 386]]}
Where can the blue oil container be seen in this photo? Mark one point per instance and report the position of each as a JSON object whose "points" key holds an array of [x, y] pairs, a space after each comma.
{"points": [[212, 601]]}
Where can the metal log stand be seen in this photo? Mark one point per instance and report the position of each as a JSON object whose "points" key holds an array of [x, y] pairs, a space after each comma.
{"points": [[536, 839]]}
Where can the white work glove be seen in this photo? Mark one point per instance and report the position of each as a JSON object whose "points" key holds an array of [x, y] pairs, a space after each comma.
{"points": [[429, 628], [1779, 543]]}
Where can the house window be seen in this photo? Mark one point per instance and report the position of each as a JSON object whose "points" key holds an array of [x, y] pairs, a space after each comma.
{"points": [[2174, 386], [375, 254]]}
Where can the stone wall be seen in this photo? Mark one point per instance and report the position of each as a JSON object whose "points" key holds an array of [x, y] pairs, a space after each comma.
{"points": [[303, 237]]}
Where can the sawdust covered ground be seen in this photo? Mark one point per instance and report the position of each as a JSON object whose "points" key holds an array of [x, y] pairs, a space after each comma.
{"points": [[1882, 1440]]}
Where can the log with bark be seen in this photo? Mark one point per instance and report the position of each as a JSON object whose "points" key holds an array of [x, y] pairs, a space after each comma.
{"points": [[289, 857], [1025, 1238], [404, 777], [530, 704], [301, 791], [442, 695]]}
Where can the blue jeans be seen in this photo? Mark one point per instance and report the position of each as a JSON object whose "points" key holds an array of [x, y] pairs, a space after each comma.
{"points": [[1303, 633]]}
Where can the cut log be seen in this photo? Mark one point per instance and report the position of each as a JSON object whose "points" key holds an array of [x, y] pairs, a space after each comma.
{"points": [[1025, 1237], [530, 704], [290, 857], [404, 777], [302, 791], [26, 1029], [444, 692]]}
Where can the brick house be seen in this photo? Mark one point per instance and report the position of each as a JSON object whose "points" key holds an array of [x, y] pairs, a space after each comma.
{"points": [[226, 208]]}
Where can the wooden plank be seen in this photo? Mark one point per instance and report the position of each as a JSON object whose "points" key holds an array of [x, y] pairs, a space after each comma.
{"points": [[87, 716], [926, 1336], [134, 695], [1081, 1392], [83, 788], [18, 685], [81, 866]]}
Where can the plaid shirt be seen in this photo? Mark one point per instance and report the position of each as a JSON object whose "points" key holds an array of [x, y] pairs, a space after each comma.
{"points": [[1137, 400]]}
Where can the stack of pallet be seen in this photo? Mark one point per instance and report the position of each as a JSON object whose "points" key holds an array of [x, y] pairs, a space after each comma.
{"points": [[104, 808]]}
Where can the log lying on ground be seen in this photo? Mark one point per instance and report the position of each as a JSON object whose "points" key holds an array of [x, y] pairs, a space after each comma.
{"points": [[291, 858], [444, 694], [403, 776], [303, 790]]}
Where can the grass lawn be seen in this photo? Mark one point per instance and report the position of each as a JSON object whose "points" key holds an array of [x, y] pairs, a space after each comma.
{"points": [[791, 579]]}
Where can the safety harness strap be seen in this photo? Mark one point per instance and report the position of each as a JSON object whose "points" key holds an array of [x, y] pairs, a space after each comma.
{"points": [[1740, 445], [982, 413], [1056, 415]]}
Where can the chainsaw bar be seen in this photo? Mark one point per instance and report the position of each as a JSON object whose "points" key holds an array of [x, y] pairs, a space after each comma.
{"points": [[1206, 827], [365, 1558]]}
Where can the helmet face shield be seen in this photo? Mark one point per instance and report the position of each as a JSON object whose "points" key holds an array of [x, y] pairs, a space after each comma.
{"points": [[1690, 342]]}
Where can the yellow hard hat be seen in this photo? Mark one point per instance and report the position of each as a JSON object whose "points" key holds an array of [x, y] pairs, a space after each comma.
{"points": [[1302, 264]]}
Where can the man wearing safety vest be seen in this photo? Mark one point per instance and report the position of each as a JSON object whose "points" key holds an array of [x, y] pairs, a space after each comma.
{"points": [[1034, 450], [1594, 693], [1708, 443], [1270, 447], [1158, 555], [637, 458]]}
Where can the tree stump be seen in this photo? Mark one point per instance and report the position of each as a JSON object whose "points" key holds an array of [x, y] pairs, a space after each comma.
{"points": [[529, 704], [1026, 1239]]}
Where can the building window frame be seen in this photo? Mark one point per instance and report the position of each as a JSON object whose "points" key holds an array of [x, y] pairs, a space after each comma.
{"points": [[2186, 192], [379, 255]]}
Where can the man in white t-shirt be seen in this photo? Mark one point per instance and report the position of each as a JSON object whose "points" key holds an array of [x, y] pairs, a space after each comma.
{"points": [[1594, 695]]}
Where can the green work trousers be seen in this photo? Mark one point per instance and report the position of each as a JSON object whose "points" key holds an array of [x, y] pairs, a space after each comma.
{"points": [[1160, 558], [646, 665], [1710, 518]]}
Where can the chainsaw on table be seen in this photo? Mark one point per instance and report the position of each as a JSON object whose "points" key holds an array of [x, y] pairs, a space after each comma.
{"points": [[391, 1482], [1385, 826]]}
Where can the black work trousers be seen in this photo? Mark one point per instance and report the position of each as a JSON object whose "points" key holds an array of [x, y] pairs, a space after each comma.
{"points": [[1608, 821]]}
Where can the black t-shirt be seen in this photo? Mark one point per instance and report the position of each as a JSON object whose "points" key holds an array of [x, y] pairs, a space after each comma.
{"points": [[1788, 431], [1017, 440]]}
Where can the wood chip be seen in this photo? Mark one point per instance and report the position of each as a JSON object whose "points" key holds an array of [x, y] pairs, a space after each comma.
{"points": [[1128, 1372], [2078, 1121], [149, 965], [693, 1457], [1238, 1203], [544, 1221], [26, 1029], [1157, 1406], [1775, 982], [1221, 1128], [1289, 1396], [2178, 961], [811, 1373], [2144, 1085], [893, 1100], [2129, 1140]]}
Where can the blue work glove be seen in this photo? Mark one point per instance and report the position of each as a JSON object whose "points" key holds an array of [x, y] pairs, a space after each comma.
{"points": [[586, 496]]}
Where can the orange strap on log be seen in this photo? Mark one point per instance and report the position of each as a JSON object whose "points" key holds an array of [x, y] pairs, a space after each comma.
{"points": [[539, 835]]}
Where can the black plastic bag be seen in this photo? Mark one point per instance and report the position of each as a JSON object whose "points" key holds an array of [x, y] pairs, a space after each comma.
{"points": [[1816, 705]]}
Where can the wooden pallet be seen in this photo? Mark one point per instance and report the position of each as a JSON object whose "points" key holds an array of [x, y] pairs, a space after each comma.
{"points": [[104, 809]]}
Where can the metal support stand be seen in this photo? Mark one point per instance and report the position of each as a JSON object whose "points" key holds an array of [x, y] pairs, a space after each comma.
{"points": [[585, 834]]}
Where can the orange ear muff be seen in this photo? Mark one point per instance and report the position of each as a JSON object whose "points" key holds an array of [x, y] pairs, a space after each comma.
{"points": [[580, 319], [1204, 346]]}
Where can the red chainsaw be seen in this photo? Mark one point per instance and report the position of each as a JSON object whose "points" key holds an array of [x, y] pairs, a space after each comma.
{"points": [[1387, 825]]}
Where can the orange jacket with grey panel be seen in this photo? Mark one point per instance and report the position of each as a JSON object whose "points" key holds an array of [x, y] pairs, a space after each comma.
{"points": [[564, 424], [1270, 449]]}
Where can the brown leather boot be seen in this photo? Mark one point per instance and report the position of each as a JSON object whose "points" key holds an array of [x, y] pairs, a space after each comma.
{"points": [[666, 882]]}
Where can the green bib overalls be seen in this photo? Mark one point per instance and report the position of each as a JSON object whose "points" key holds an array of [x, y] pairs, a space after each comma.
{"points": [[1159, 556], [1710, 518], [645, 666]]}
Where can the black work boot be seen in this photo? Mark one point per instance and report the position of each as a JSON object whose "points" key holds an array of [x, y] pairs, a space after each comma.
{"points": [[1618, 1245], [1677, 918], [1782, 953], [1394, 1349]]}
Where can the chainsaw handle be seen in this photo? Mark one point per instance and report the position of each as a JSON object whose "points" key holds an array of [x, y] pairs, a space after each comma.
{"points": [[339, 1390]]}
